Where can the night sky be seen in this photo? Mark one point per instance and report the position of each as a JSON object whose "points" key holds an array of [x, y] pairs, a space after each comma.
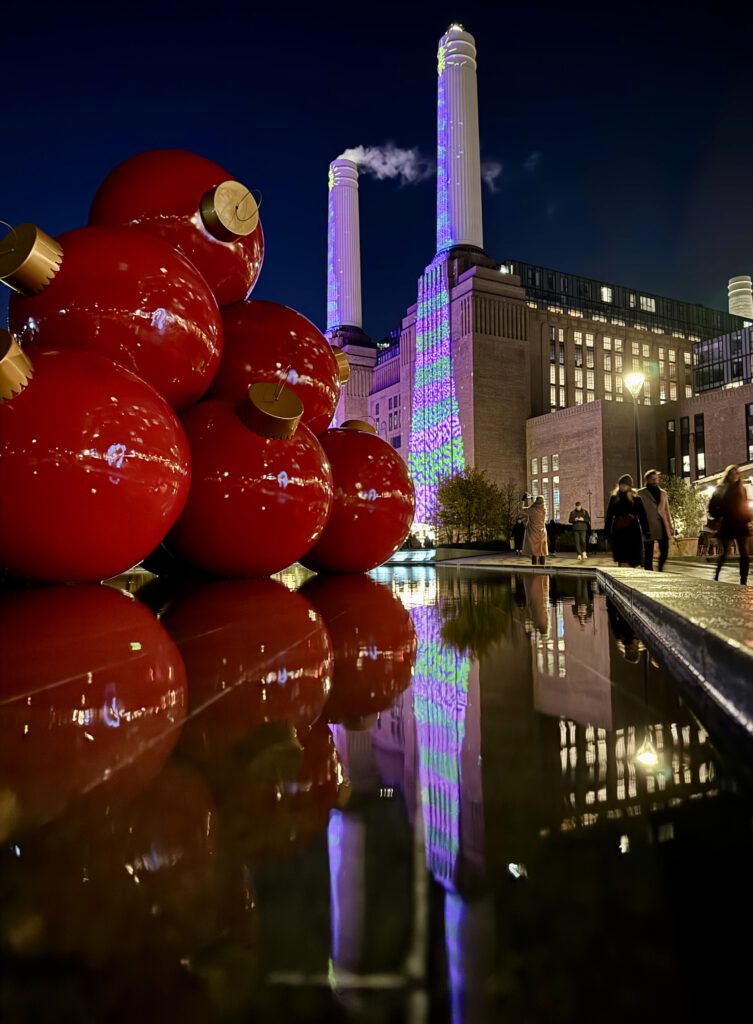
{"points": [[625, 132]]}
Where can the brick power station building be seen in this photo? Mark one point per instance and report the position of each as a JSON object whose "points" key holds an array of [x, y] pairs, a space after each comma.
{"points": [[519, 369]]}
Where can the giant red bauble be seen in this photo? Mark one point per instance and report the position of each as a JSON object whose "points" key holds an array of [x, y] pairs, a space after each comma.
{"points": [[92, 698], [256, 504], [161, 191], [94, 470], [255, 652], [132, 297], [373, 504], [263, 339], [374, 644]]}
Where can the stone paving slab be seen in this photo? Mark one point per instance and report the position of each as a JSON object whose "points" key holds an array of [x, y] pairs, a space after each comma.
{"points": [[704, 630]]}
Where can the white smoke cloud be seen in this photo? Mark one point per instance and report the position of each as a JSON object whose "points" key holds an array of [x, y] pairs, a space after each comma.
{"points": [[532, 161], [392, 162], [490, 171]]}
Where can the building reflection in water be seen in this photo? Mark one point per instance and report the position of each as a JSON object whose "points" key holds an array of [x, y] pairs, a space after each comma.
{"points": [[528, 800]]}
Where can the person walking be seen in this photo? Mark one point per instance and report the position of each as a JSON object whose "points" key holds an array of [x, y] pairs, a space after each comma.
{"points": [[626, 524], [518, 534], [535, 543], [730, 504], [580, 521], [660, 526]]}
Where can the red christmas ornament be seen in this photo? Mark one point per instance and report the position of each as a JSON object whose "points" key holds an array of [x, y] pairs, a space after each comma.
{"points": [[257, 502], [262, 340], [140, 883], [373, 504], [274, 803], [94, 466], [127, 295], [374, 644], [195, 206], [255, 653], [92, 697]]}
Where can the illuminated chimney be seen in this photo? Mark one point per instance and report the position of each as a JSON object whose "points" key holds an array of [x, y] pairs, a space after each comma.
{"points": [[458, 157], [740, 293], [344, 247]]}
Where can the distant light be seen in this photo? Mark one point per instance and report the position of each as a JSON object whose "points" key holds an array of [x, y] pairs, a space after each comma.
{"points": [[135, 645], [624, 844], [517, 870]]}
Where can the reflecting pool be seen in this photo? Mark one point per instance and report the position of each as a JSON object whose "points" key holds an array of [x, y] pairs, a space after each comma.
{"points": [[415, 796]]}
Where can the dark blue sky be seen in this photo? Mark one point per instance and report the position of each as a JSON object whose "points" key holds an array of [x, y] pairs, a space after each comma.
{"points": [[642, 116]]}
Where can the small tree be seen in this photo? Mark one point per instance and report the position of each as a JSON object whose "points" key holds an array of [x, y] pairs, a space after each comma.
{"points": [[510, 503], [687, 503], [469, 506]]}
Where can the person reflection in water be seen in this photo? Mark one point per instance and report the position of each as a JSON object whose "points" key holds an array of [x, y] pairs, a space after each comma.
{"points": [[628, 643], [582, 606]]}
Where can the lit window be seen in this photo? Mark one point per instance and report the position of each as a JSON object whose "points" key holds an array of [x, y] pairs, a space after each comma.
{"points": [[545, 464], [553, 397], [534, 467], [579, 378], [672, 355], [578, 337], [607, 381], [606, 293], [688, 390], [618, 361], [552, 374], [648, 304], [590, 379], [618, 344], [579, 396], [673, 392], [590, 340], [607, 342], [687, 358], [607, 360], [635, 348], [555, 463], [646, 351], [631, 300]]}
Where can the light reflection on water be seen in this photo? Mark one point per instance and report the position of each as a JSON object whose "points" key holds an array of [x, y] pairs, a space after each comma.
{"points": [[529, 824]]}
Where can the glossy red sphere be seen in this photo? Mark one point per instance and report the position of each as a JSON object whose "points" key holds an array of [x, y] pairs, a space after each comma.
{"points": [[132, 297], [268, 813], [92, 698], [256, 504], [94, 470], [255, 652], [160, 191], [373, 504], [261, 340], [373, 640], [125, 886]]}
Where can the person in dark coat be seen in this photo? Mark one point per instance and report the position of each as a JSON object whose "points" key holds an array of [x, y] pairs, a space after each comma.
{"points": [[626, 523], [731, 505], [580, 521], [518, 534]]}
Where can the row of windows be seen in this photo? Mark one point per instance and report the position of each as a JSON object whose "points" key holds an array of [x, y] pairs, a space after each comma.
{"points": [[613, 389]]}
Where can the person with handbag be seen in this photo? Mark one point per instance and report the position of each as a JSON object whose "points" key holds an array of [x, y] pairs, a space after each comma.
{"points": [[535, 543], [660, 526], [625, 523], [731, 507], [580, 521]]}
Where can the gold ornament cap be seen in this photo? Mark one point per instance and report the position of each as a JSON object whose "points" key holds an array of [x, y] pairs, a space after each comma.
{"points": [[271, 410], [16, 369], [229, 211], [343, 366], [367, 428], [29, 259]]}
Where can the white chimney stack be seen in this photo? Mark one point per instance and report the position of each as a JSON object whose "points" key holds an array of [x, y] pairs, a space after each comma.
{"points": [[740, 293], [344, 247], [458, 155]]}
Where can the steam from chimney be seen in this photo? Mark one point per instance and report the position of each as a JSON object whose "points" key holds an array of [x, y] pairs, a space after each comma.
{"points": [[391, 162]]}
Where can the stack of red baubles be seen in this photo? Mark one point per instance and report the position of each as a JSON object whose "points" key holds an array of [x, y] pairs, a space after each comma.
{"points": [[145, 399]]}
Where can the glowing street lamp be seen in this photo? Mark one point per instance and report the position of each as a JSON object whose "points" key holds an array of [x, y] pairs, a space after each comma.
{"points": [[634, 383]]}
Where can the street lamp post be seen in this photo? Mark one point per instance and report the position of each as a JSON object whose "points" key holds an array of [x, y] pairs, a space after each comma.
{"points": [[634, 383]]}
